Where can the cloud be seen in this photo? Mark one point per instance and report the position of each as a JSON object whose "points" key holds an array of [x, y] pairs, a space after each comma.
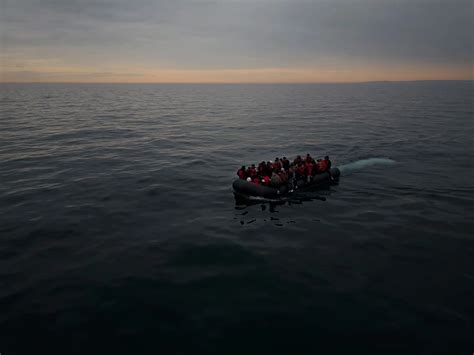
{"points": [[238, 34]]}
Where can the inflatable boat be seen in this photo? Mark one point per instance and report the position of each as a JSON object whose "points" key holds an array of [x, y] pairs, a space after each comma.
{"points": [[249, 190]]}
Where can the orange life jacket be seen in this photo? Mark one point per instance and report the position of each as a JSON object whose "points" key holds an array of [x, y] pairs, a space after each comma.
{"points": [[322, 166]]}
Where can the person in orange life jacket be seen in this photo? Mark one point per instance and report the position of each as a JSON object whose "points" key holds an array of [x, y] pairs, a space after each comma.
{"points": [[324, 165], [300, 170], [297, 160], [266, 180], [308, 158], [253, 171], [247, 172], [241, 173], [277, 165], [256, 181]]}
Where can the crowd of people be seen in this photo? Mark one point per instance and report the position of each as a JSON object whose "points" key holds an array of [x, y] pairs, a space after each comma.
{"points": [[283, 172]]}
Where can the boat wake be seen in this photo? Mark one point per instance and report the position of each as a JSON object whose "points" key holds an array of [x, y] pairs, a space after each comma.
{"points": [[364, 163]]}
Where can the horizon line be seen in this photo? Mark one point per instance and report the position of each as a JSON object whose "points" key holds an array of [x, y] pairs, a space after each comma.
{"points": [[235, 83]]}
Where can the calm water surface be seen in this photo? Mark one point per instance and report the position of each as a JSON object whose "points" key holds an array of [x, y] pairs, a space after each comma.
{"points": [[119, 232]]}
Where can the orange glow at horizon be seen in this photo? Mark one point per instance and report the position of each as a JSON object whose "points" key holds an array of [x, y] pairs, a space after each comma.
{"points": [[51, 73]]}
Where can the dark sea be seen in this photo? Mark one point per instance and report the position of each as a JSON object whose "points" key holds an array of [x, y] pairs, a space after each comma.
{"points": [[120, 234]]}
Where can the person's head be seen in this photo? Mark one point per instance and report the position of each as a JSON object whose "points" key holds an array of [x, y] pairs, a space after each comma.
{"points": [[307, 155], [277, 159], [284, 158], [326, 157], [253, 165], [243, 167]]}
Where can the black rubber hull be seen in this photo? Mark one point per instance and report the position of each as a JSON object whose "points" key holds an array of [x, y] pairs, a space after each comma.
{"points": [[245, 188]]}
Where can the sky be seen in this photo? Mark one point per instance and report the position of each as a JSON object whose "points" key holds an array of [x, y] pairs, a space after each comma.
{"points": [[235, 41]]}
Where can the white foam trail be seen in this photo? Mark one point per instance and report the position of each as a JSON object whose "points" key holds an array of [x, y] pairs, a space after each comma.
{"points": [[364, 163]]}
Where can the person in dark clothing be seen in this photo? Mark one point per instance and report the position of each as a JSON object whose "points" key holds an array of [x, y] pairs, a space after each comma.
{"points": [[291, 176], [319, 167], [275, 181], [328, 166], [309, 170], [269, 169], [315, 168], [328, 162], [262, 167]]}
